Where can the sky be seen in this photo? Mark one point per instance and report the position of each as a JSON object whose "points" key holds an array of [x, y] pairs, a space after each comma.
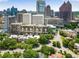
{"points": [[30, 5]]}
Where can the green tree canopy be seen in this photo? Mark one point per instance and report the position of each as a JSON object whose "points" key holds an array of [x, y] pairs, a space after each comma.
{"points": [[17, 54], [30, 54], [47, 50], [43, 39], [57, 44], [7, 55], [71, 45], [49, 36], [9, 43], [71, 25], [65, 42], [77, 40], [68, 56], [32, 41]]}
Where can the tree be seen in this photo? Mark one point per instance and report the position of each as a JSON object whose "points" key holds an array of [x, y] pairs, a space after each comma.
{"points": [[50, 30], [62, 33], [17, 54], [2, 36], [47, 50], [24, 46], [65, 42], [9, 43], [33, 42], [60, 52], [54, 44], [71, 45], [7, 55], [75, 51], [30, 54], [71, 25], [77, 35], [58, 44], [1, 44], [43, 39], [68, 56], [0, 55], [49, 36], [76, 40]]}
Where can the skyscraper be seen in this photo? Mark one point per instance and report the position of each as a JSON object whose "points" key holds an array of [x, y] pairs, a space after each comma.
{"points": [[40, 6], [66, 12], [13, 11], [52, 13], [48, 11]]}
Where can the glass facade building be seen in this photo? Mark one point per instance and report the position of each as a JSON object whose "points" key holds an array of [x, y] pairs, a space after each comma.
{"points": [[40, 6]]}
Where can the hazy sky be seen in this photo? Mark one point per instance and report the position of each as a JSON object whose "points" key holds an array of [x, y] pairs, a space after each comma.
{"points": [[31, 4]]}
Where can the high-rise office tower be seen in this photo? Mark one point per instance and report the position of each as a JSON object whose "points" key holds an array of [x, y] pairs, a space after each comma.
{"points": [[8, 11], [48, 11], [66, 11], [40, 6], [13, 11], [52, 13]]}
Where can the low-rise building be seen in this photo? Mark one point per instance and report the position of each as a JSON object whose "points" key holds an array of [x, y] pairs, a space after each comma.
{"points": [[54, 21], [15, 28], [18, 28], [29, 24]]}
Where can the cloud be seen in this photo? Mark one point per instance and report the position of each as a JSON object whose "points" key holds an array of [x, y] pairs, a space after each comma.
{"points": [[3, 0]]}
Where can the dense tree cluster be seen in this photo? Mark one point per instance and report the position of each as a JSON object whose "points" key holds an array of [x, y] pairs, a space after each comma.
{"points": [[57, 44], [7, 55], [77, 40], [48, 50], [62, 33], [51, 31], [71, 25], [8, 44], [30, 54], [44, 38], [33, 42]]}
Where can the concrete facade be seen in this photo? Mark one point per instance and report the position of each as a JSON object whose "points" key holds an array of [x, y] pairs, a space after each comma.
{"points": [[27, 18], [19, 28], [54, 21], [33, 24], [38, 19]]}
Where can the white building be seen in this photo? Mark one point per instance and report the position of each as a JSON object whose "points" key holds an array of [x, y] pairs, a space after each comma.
{"points": [[27, 18], [38, 19], [5, 22]]}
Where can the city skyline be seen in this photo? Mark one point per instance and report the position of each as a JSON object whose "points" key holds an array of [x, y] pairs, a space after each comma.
{"points": [[30, 5]]}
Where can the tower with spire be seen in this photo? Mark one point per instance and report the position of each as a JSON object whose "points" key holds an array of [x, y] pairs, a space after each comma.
{"points": [[65, 11]]}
